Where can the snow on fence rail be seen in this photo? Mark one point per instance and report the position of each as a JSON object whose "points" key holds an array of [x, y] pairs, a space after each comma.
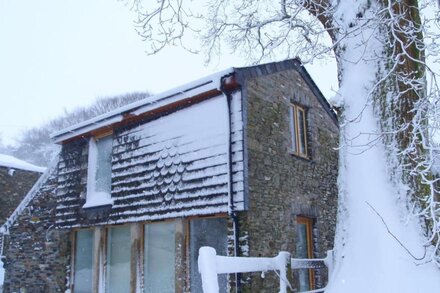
{"points": [[211, 264], [314, 263]]}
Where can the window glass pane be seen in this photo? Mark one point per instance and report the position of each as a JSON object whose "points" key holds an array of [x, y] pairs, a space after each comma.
{"points": [[83, 261], [99, 172], [301, 241], [159, 257], [207, 232], [293, 126], [301, 131], [302, 252], [118, 259], [104, 164]]}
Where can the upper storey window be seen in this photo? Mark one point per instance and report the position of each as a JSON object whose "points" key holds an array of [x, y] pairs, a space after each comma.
{"points": [[298, 129], [99, 172]]}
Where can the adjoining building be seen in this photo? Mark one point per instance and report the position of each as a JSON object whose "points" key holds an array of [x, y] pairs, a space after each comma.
{"points": [[243, 160], [16, 178]]}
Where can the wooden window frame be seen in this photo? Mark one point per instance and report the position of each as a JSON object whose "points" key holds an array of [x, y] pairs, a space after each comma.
{"points": [[137, 236], [308, 222], [98, 248], [295, 130]]}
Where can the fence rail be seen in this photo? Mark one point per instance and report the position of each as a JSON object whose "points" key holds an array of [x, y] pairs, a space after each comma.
{"points": [[211, 265]]}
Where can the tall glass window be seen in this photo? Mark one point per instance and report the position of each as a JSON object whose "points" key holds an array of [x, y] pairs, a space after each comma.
{"points": [[118, 259], [83, 271], [304, 249], [159, 257], [298, 129], [301, 131], [104, 164], [99, 172], [207, 232]]}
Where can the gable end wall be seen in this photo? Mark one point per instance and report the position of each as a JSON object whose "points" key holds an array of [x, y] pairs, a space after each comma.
{"points": [[282, 185], [37, 255], [13, 188]]}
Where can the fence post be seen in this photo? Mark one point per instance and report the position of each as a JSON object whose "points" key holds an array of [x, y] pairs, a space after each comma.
{"points": [[208, 269], [283, 259], [329, 262]]}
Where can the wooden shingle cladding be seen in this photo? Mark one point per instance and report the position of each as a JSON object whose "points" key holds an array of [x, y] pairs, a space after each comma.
{"points": [[173, 166], [72, 174]]}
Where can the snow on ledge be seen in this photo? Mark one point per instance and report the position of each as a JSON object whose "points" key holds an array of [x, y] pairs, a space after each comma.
{"points": [[97, 199], [14, 163]]}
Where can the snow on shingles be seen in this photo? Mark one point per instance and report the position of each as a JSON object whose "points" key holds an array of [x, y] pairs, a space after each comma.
{"points": [[72, 223], [14, 163], [149, 181], [204, 202], [178, 166], [190, 89], [185, 154], [189, 148], [196, 138], [146, 196]]}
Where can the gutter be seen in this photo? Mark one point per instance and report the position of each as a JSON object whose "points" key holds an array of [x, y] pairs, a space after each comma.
{"points": [[228, 85]]}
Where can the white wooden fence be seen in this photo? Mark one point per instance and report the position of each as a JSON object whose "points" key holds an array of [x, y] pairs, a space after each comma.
{"points": [[211, 265]]}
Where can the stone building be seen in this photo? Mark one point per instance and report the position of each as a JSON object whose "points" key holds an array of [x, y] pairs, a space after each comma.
{"points": [[16, 178], [243, 160]]}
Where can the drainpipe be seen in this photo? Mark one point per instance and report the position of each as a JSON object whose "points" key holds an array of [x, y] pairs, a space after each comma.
{"points": [[228, 85]]}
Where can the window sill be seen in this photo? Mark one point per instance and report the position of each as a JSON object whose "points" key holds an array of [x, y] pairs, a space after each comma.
{"points": [[98, 199], [303, 157], [97, 213]]}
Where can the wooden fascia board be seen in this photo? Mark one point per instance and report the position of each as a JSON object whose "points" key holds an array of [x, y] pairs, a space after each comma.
{"points": [[129, 118]]}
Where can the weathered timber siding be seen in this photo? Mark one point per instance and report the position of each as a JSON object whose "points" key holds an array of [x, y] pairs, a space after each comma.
{"points": [[37, 255], [72, 178], [282, 185], [237, 151], [174, 166], [14, 185]]}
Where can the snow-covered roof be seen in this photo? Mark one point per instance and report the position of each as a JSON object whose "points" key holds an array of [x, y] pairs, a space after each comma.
{"points": [[150, 103], [12, 162], [35, 190], [186, 91]]}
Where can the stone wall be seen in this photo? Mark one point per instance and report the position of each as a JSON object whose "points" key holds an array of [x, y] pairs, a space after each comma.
{"points": [[37, 256], [14, 185], [281, 184]]}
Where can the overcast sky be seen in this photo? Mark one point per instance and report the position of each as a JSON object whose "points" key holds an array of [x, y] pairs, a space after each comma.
{"points": [[57, 55]]}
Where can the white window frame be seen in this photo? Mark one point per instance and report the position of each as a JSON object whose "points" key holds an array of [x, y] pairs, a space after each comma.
{"points": [[95, 198]]}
